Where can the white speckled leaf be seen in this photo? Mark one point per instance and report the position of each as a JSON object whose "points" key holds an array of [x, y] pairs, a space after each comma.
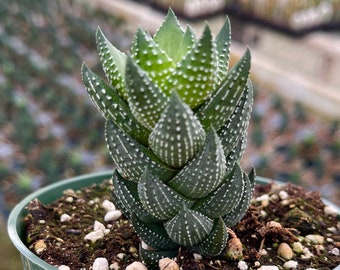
{"points": [[235, 154], [215, 111], [153, 234], [151, 58], [194, 77], [178, 136], [157, 198], [125, 194], [237, 124], [170, 36], [112, 106], [146, 100], [224, 198], [188, 227], [223, 42], [152, 257], [204, 173], [132, 157], [215, 242], [240, 209], [113, 62]]}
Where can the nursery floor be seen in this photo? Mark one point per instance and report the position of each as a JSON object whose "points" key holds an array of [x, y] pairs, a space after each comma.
{"points": [[62, 243]]}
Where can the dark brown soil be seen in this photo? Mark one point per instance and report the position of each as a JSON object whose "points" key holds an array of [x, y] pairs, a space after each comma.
{"points": [[300, 214]]}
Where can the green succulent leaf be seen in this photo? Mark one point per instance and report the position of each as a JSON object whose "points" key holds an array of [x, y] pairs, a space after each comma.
{"points": [[146, 100], [178, 136], [194, 77], [113, 62], [171, 38], [188, 227], [131, 157], [152, 257], [215, 111], [215, 242], [153, 234], [235, 154], [238, 212], [125, 192], [204, 173], [224, 198], [112, 106], [157, 198], [151, 58], [223, 42], [237, 124]]}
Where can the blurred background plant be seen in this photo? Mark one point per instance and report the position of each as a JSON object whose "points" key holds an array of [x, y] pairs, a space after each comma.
{"points": [[49, 130]]}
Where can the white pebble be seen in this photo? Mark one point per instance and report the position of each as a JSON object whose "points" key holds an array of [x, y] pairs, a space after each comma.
{"points": [[264, 199], [290, 264], [197, 257], [108, 205], [297, 247], [69, 199], [100, 264], [94, 236], [307, 254], [113, 215], [268, 267], [136, 266], [242, 265], [98, 226], [330, 211], [121, 256], [314, 239], [332, 229], [335, 251], [283, 195], [285, 251], [65, 218], [64, 267], [115, 266]]}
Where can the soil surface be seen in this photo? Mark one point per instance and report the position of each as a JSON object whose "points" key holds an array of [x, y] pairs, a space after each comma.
{"points": [[278, 214]]}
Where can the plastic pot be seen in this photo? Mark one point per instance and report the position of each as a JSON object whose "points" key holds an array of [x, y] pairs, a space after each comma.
{"points": [[48, 194]]}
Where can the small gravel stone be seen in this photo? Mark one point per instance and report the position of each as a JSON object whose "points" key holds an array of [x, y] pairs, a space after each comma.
{"points": [[330, 211], [40, 246], [167, 264], [285, 251], [94, 236], [314, 239], [290, 265], [108, 205], [98, 226], [121, 256], [264, 199], [335, 251], [242, 265], [268, 267], [197, 256], [283, 195], [298, 247], [112, 215], [115, 266], [65, 218], [307, 254], [136, 266], [64, 267], [100, 264], [69, 199]]}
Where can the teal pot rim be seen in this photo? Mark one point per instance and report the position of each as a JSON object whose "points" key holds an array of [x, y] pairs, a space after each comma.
{"points": [[15, 224]]}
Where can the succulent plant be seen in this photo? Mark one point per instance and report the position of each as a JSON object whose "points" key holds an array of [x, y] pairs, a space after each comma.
{"points": [[176, 120]]}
